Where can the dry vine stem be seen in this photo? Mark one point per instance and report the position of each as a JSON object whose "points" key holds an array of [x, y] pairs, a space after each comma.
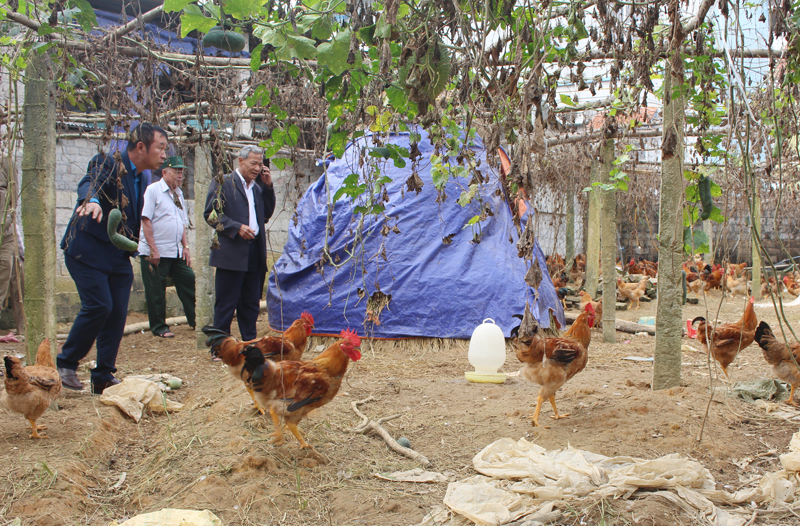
{"points": [[375, 425]]}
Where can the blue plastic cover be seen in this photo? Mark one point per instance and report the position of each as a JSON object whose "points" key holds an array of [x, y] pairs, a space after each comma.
{"points": [[437, 289]]}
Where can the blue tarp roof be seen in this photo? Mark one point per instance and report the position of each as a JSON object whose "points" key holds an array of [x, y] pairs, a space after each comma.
{"points": [[161, 36], [437, 290]]}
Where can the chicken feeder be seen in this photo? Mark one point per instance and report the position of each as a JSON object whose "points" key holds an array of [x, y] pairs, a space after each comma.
{"points": [[487, 353]]}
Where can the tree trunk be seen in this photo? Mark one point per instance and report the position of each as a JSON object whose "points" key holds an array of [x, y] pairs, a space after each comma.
{"points": [[570, 249], [608, 222], [204, 274], [593, 237], [669, 331], [38, 201], [755, 224]]}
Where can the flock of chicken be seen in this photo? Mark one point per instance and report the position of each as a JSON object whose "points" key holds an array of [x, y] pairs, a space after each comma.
{"points": [[282, 383], [550, 362]]}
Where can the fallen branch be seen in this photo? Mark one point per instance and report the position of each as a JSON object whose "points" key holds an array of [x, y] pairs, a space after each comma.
{"points": [[367, 425]]}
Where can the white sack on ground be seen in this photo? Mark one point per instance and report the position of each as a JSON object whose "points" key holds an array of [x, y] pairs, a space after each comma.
{"points": [[519, 477], [133, 394]]}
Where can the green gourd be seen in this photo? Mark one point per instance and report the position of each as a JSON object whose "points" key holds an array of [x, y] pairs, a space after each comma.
{"points": [[704, 191], [119, 241], [224, 39]]}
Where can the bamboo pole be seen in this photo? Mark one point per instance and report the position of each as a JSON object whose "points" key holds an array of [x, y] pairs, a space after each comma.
{"points": [[608, 238], [38, 201], [204, 274], [593, 237]]}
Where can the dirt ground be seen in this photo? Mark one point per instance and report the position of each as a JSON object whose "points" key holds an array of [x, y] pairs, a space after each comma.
{"points": [[100, 466]]}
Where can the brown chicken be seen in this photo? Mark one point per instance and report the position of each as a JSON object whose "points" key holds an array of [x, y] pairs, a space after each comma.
{"points": [[770, 285], [289, 347], [783, 359], [576, 275], [725, 341], [792, 285], [551, 362], [736, 286], [597, 306], [292, 389], [712, 276], [633, 291], [694, 283], [737, 270], [30, 390], [560, 281]]}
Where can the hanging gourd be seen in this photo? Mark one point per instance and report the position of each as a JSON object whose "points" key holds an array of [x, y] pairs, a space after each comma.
{"points": [[224, 39], [119, 241]]}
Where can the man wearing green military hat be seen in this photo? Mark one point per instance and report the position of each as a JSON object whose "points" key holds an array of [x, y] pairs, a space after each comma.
{"points": [[164, 247]]}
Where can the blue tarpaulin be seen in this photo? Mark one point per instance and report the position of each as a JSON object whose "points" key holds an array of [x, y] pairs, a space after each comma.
{"points": [[436, 289]]}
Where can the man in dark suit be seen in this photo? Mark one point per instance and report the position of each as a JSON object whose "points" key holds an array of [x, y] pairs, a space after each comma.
{"points": [[236, 210], [102, 272]]}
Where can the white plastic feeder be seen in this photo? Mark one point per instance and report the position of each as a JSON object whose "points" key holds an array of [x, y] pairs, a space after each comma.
{"points": [[487, 353]]}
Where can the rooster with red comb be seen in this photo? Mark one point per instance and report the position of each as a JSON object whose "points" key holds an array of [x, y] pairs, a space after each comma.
{"points": [[292, 389]]}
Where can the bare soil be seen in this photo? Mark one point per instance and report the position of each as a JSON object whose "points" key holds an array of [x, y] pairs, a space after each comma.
{"points": [[98, 465]]}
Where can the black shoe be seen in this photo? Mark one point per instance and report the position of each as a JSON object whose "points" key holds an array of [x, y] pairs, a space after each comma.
{"points": [[69, 379], [99, 387]]}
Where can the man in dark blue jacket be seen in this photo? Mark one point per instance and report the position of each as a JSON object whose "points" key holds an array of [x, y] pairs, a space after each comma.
{"points": [[102, 272]]}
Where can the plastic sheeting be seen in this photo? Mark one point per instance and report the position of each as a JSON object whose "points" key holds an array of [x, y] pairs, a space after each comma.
{"points": [[437, 289], [173, 517], [519, 478]]}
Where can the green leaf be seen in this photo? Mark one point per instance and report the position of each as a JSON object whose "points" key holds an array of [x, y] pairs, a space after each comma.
{"points": [[255, 61], [243, 9], [195, 22], [337, 143], [473, 220], [565, 99], [439, 176], [334, 54], [296, 47], [691, 194], [716, 190], [383, 29], [280, 162], [467, 196], [293, 134], [86, 17], [173, 6], [580, 29], [322, 28], [690, 175], [380, 151], [717, 215], [622, 185]]}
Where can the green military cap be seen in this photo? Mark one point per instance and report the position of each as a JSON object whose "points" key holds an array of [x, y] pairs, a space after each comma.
{"points": [[173, 162]]}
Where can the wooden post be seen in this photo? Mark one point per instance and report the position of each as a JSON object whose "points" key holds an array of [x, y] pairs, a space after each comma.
{"points": [[755, 225], [38, 201], [570, 248], [708, 228], [593, 236], [608, 238], [204, 274], [669, 322]]}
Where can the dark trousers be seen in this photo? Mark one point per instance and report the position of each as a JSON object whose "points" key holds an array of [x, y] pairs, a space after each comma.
{"points": [[155, 290], [104, 309], [237, 291]]}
